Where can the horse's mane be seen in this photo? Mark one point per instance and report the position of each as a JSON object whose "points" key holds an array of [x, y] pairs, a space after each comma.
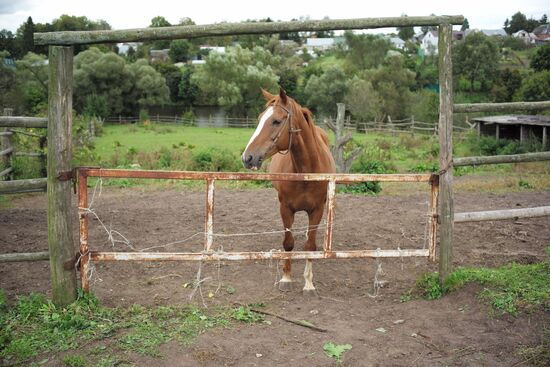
{"points": [[319, 133]]}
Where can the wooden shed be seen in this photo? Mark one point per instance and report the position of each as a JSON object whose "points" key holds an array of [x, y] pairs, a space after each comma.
{"points": [[515, 127]]}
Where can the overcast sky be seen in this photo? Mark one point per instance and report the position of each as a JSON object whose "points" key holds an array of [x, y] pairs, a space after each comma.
{"points": [[121, 14]]}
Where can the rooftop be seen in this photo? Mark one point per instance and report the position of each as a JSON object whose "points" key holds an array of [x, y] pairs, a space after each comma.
{"points": [[535, 120]]}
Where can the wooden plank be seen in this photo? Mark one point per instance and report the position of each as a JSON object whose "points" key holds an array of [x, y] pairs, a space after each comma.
{"points": [[540, 211], [60, 236], [29, 154], [224, 29], [19, 186], [497, 159], [6, 133], [19, 121], [501, 107], [25, 256], [7, 151], [7, 171], [445, 152]]}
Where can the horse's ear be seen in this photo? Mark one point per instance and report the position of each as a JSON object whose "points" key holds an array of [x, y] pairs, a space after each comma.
{"points": [[268, 96], [282, 95]]}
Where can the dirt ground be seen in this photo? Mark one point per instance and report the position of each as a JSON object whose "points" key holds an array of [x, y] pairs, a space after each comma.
{"points": [[457, 330]]}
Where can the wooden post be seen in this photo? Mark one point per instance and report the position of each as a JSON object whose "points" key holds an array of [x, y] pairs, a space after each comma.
{"points": [[5, 144], [544, 138], [497, 126], [60, 236], [84, 252], [446, 209], [521, 134]]}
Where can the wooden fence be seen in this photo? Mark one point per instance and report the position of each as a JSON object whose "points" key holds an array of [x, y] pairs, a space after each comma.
{"points": [[12, 125]]}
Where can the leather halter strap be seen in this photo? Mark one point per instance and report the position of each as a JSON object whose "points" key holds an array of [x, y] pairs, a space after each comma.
{"points": [[291, 130]]}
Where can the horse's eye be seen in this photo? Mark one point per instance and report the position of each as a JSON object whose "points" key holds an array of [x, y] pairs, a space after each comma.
{"points": [[276, 122]]}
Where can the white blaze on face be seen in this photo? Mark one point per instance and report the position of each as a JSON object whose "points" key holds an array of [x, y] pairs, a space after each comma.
{"points": [[267, 114]]}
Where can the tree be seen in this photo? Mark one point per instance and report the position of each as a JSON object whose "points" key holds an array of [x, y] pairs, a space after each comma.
{"points": [[323, 92], [234, 79], [365, 50], [7, 42], [9, 97], [519, 22], [543, 19], [158, 22], [465, 25], [363, 101], [541, 59], [181, 50], [507, 83], [188, 91], [476, 58], [25, 38], [536, 87], [149, 87], [172, 74], [405, 33], [32, 74]]}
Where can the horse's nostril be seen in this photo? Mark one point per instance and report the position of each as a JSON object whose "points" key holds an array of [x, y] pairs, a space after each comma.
{"points": [[248, 159]]}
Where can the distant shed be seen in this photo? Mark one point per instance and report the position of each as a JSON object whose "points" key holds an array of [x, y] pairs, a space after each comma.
{"points": [[515, 127]]}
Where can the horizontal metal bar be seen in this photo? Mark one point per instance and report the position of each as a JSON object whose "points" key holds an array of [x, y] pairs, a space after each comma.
{"points": [[19, 186], [236, 256], [19, 121], [25, 256], [224, 29], [540, 211], [501, 107], [496, 159], [193, 175]]}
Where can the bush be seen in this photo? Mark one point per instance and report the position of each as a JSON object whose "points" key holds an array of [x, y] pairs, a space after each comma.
{"points": [[215, 160], [366, 166]]}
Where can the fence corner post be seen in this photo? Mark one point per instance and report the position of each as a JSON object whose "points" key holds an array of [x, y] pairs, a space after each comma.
{"points": [[446, 206], [60, 235]]}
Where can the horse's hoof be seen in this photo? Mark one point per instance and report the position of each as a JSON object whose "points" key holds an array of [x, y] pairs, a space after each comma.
{"points": [[285, 286], [310, 293]]}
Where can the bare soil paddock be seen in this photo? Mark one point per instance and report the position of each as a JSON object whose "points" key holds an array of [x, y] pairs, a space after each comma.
{"points": [[457, 330]]}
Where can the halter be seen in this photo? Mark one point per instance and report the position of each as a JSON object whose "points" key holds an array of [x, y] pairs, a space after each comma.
{"points": [[291, 131]]}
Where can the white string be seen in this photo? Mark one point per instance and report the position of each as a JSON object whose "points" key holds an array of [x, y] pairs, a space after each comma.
{"points": [[379, 271]]}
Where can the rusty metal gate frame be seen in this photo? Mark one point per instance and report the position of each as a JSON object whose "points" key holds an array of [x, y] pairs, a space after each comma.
{"points": [[85, 255]]}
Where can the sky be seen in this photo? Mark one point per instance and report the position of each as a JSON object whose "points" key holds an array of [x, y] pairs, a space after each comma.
{"points": [[123, 14]]}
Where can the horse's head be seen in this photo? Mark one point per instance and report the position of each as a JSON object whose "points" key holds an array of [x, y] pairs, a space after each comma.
{"points": [[273, 133]]}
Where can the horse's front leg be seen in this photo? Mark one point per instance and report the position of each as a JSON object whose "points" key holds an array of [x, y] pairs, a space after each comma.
{"points": [[285, 284], [314, 220]]}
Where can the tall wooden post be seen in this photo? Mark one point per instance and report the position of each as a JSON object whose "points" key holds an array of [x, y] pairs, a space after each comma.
{"points": [[5, 143], [60, 236], [446, 207]]}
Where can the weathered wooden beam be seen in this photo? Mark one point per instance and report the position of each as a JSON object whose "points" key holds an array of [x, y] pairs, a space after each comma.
{"points": [[60, 235], [6, 151], [445, 152], [21, 121], [29, 154], [7, 171], [496, 159], [224, 29], [6, 133], [20, 186], [24, 256], [501, 107], [540, 211]]}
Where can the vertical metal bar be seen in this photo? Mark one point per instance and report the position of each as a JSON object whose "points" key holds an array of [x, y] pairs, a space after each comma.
{"points": [[84, 253], [446, 205], [209, 218], [331, 192], [432, 231]]}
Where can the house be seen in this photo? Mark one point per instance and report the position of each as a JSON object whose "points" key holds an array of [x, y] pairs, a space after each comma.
{"points": [[526, 37], [542, 34], [159, 55], [319, 44], [397, 43], [429, 43], [515, 127]]}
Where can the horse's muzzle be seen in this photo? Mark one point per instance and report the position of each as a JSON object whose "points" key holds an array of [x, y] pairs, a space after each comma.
{"points": [[252, 162]]}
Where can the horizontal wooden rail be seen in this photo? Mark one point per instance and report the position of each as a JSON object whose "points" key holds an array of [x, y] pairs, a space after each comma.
{"points": [[6, 133], [7, 151], [540, 211], [30, 154], [7, 171], [224, 29], [24, 256], [237, 256], [20, 186], [19, 121], [501, 107], [496, 159], [192, 175]]}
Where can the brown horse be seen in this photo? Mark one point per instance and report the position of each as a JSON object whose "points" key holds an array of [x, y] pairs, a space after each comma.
{"points": [[287, 132]]}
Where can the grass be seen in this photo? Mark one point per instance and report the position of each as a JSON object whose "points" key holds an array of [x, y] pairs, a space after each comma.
{"points": [[34, 330], [509, 289]]}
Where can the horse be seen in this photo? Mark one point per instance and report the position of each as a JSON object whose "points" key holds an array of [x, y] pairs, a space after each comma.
{"points": [[286, 131]]}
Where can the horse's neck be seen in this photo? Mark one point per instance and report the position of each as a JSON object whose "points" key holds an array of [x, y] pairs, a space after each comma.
{"points": [[304, 150]]}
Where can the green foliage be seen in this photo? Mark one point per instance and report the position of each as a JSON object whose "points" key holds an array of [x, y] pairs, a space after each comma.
{"points": [[476, 58], [507, 83], [541, 58], [335, 350], [365, 51], [181, 50], [519, 22], [215, 160], [425, 106], [188, 91], [524, 184], [538, 355], [324, 91], [425, 167], [429, 287], [96, 106], [488, 145], [535, 87], [244, 314], [363, 165], [74, 361], [234, 79]]}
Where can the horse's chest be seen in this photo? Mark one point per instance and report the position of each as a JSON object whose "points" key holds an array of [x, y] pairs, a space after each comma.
{"points": [[302, 195]]}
